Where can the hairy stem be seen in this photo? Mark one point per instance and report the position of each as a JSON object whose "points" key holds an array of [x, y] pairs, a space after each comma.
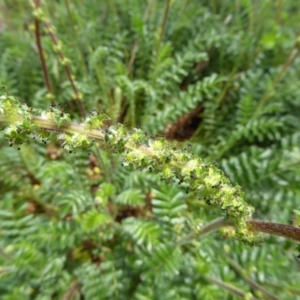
{"points": [[287, 231]]}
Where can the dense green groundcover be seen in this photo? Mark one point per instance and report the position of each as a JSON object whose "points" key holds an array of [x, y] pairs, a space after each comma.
{"points": [[218, 79]]}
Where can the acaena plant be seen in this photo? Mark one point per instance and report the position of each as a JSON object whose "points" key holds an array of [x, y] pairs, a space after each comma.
{"points": [[140, 151], [197, 125]]}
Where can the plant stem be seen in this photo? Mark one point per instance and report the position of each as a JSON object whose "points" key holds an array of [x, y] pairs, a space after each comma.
{"points": [[250, 281], [135, 47], [287, 231], [50, 125], [163, 28], [103, 165], [67, 69], [186, 3], [283, 287], [294, 52], [206, 229], [229, 288], [73, 291], [40, 50], [74, 32]]}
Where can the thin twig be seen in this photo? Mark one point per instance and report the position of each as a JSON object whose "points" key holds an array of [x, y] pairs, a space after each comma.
{"points": [[250, 281], [294, 53], [135, 47], [73, 290], [230, 288], [40, 50], [283, 287], [74, 32], [67, 69], [288, 231], [206, 229], [163, 27]]}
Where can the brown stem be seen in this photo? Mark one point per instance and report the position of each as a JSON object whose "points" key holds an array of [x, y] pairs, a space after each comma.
{"points": [[67, 69], [287, 231], [40, 50]]}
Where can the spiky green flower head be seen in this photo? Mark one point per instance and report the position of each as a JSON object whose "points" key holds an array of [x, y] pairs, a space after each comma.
{"points": [[56, 115], [77, 140], [137, 137], [17, 117], [96, 121], [9, 106], [206, 181]]}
